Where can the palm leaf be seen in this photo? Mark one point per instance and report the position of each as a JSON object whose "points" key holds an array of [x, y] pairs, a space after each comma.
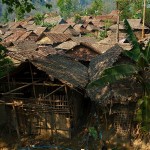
{"points": [[134, 53], [113, 74]]}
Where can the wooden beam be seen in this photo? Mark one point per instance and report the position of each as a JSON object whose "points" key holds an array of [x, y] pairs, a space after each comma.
{"points": [[16, 125], [11, 91], [44, 83], [118, 21], [144, 7], [53, 91], [32, 80]]}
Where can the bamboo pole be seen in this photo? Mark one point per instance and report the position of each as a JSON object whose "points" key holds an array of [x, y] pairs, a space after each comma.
{"points": [[9, 92], [32, 80], [117, 33], [16, 125], [8, 78], [144, 7]]}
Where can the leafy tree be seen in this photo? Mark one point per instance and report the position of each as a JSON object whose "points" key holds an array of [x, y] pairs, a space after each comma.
{"points": [[96, 8], [140, 66], [24, 5], [19, 11], [65, 7], [5, 17], [39, 19], [48, 25], [77, 18], [131, 8]]}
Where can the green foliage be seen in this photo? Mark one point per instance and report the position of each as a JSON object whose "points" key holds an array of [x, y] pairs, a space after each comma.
{"points": [[93, 132], [49, 6], [39, 19], [111, 75], [24, 5], [130, 8], [19, 11], [21, 7], [77, 18], [143, 114], [136, 49], [65, 7], [6, 64], [5, 17], [147, 18], [48, 25], [102, 34], [96, 8]]}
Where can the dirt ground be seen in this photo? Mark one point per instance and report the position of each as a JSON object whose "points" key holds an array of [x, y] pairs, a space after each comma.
{"points": [[76, 143]]}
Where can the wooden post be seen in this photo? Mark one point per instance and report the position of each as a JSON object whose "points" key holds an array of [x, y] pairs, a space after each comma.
{"points": [[16, 125], [32, 80], [8, 77], [118, 20], [144, 7]]}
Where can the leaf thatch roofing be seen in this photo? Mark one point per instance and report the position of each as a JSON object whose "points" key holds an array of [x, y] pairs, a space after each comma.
{"points": [[134, 23], [64, 28], [101, 62], [53, 38], [84, 39], [26, 45], [15, 36], [40, 30], [119, 92], [64, 69], [68, 45]]}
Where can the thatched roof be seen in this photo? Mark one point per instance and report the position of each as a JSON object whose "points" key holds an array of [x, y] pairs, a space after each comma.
{"points": [[98, 23], [15, 36], [84, 39], [101, 47], [111, 16], [80, 28], [54, 20], [53, 38], [26, 45], [97, 66], [68, 45], [60, 28], [27, 35], [30, 27], [24, 55], [6, 34], [40, 30], [46, 50], [28, 49], [64, 69], [134, 23], [64, 28], [101, 62], [120, 92], [16, 25]]}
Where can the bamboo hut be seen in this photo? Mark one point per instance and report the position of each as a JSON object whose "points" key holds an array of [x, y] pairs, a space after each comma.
{"points": [[47, 94], [116, 101]]}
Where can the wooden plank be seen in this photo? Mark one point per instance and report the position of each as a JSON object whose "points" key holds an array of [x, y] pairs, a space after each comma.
{"points": [[11, 91]]}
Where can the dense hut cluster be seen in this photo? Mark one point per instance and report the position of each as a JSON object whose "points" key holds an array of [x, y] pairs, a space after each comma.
{"points": [[46, 91]]}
